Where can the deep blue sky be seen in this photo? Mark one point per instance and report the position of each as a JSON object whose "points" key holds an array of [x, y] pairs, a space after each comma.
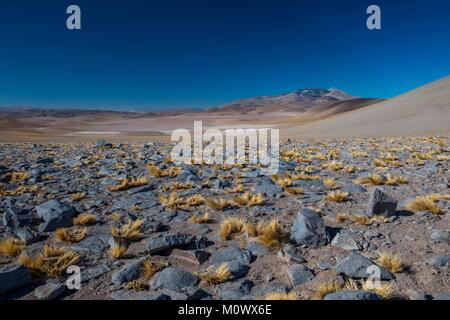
{"points": [[195, 53]]}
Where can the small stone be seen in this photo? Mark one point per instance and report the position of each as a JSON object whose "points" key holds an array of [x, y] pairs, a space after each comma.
{"points": [[231, 254], [439, 261], [128, 272], [299, 274], [196, 257], [345, 241], [49, 291], [380, 204]]}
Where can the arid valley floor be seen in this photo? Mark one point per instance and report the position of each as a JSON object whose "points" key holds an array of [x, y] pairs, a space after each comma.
{"points": [[140, 227]]}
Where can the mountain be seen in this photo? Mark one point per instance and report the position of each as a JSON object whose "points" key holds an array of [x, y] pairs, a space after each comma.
{"points": [[423, 111], [299, 100]]}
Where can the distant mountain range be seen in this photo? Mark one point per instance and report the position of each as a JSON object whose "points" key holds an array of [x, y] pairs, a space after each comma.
{"points": [[299, 100]]}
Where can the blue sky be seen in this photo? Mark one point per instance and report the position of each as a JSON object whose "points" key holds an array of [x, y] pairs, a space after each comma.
{"points": [[163, 54]]}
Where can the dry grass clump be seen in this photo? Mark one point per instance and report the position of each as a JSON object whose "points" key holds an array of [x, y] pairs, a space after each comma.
{"points": [[330, 183], [17, 176], [230, 226], [78, 196], [295, 190], [326, 288], [373, 179], [129, 231], [384, 290], [337, 196], [249, 200], [51, 262], [282, 296], [11, 247], [129, 183], [70, 235], [217, 204], [194, 200], [172, 201], [425, 203], [392, 180], [391, 262], [342, 217], [200, 219], [270, 234], [380, 163], [85, 219], [305, 177], [239, 188], [175, 186], [149, 269], [118, 251], [219, 275], [136, 285], [334, 166], [158, 173], [282, 181], [349, 169]]}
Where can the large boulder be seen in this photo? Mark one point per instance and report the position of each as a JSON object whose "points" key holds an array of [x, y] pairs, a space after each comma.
{"points": [[169, 241], [308, 229], [173, 279], [55, 214], [13, 277], [356, 266], [268, 188], [380, 204]]}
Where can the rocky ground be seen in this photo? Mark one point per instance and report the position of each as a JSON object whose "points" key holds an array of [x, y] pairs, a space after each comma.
{"points": [[140, 227]]}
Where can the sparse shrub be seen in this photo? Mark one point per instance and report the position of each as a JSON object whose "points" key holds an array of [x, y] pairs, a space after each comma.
{"points": [[129, 183], [85, 219], [70, 235], [391, 262], [200, 219], [282, 296], [230, 226], [129, 231], [118, 251], [219, 275], [51, 262], [337, 196], [11, 247], [425, 203]]}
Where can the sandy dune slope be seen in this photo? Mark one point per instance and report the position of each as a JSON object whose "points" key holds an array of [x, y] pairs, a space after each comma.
{"points": [[423, 111]]}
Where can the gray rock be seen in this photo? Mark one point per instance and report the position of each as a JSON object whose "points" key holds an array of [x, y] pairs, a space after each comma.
{"points": [[308, 229], [380, 204], [14, 218], [345, 241], [352, 295], [355, 266], [140, 296], [442, 296], [55, 215], [268, 188], [439, 261], [13, 277], [49, 291], [128, 272], [27, 235], [353, 188], [169, 241], [236, 268], [188, 175], [260, 291], [231, 254], [235, 290], [443, 236], [290, 254], [257, 249], [173, 279], [299, 274], [94, 244]]}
